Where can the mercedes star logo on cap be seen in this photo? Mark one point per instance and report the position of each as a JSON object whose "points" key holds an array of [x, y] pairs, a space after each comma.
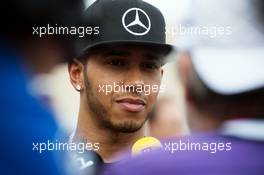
{"points": [[139, 13]]}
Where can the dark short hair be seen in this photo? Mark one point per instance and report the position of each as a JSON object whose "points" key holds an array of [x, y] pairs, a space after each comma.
{"points": [[258, 6], [244, 105], [18, 17]]}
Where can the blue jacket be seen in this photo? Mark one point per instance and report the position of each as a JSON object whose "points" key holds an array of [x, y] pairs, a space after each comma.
{"points": [[24, 121]]}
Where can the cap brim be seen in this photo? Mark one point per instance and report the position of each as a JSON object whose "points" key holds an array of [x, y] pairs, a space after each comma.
{"points": [[230, 71], [164, 49]]}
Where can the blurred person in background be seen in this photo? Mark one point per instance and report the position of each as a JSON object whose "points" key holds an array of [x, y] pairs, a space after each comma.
{"points": [[23, 55], [223, 80], [129, 51], [166, 120]]}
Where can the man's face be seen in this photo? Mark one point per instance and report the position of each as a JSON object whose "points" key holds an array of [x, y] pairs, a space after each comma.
{"points": [[118, 86]]}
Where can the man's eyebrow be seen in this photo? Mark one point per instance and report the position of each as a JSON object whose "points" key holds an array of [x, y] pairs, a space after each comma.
{"points": [[153, 57]]}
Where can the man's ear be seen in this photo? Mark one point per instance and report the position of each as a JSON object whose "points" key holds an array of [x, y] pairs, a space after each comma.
{"points": [[75, 68], [185, 71]]}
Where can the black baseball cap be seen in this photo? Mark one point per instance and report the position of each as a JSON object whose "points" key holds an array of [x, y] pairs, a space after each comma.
{"points": [[130, 22]]}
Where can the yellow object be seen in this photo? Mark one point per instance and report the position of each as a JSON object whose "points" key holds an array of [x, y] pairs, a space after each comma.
{"points": [[145, 144]]}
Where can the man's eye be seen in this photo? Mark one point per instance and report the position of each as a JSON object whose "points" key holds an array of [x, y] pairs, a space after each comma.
{"points": [[116, 62], [151, 66]]}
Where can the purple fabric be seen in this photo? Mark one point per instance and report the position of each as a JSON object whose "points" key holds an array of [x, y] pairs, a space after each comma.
{"points": [[245, 158]]}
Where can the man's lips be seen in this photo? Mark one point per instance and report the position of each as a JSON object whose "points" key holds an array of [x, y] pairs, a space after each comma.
{"points": [[132, 104]]}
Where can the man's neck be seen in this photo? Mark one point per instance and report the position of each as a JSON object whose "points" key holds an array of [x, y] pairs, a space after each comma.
{"points": [[110, 143], [202, 121]]}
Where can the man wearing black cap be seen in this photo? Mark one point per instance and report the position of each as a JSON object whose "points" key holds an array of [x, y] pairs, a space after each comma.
{"points": [[118, 74], [223, 80]]}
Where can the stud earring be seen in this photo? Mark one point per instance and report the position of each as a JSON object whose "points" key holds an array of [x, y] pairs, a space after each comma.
{"points": [[78, 87]]}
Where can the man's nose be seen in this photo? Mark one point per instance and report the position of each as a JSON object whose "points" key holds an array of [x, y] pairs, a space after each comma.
{"points": [[134, 79]]}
